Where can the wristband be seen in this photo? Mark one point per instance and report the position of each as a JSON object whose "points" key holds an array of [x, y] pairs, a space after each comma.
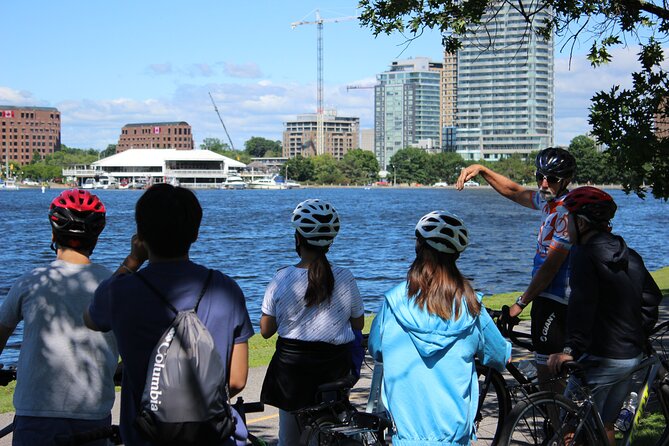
{"points": [[123, 265], [520, 302]]}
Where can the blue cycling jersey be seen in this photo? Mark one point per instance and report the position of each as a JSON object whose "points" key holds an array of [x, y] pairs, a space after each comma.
{"points": [[553, 236]]}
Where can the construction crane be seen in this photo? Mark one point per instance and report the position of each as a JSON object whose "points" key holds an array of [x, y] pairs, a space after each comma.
{"points": [[320, 134], [232, 146], [358, 87]]}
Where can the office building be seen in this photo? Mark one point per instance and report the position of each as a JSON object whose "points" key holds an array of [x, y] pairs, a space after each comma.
{"points": [[407, 107], [505, 93], [367, 139], [27, 132], [157, 135], [341, 134]]}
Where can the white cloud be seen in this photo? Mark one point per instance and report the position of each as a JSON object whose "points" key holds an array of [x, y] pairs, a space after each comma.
{"points": [[160, 68], [245, 70], [9, 96], [200, 69]]}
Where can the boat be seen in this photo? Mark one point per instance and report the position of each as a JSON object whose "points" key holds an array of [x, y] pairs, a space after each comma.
{"points": [[90, 183], [273, 182], [8, 184], [234, 182]]}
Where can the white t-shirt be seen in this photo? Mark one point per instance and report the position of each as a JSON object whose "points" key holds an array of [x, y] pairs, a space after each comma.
{"points": [[328, 322], [65, 370]]}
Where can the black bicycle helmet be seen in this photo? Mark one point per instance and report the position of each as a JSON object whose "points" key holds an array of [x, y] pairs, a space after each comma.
{"points": [[557, 162], [77, 218]]}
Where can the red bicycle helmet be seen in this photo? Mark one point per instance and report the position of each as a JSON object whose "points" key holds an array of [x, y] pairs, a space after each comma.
{"points": [[77, 218], [592, 203]]}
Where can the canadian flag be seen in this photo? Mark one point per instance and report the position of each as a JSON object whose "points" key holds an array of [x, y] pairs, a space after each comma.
{"points": [[8, 114], [156, 130]]}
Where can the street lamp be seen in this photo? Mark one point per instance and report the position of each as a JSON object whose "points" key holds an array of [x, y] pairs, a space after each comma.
{"points": [[394, 175]]}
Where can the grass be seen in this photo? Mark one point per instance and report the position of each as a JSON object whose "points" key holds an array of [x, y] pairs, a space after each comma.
{"points": [[261, 350]]}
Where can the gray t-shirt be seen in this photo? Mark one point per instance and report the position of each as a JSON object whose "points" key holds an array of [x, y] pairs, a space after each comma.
{"points": [[65, 370]]}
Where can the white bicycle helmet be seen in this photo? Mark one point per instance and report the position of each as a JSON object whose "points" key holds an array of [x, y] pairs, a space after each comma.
{"points": [[317, 221], [443, 231]]}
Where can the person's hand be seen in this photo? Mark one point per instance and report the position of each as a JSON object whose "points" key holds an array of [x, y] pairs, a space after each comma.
{"points": [[138, 249], [515, 310], [556, 360], [467, 173]]}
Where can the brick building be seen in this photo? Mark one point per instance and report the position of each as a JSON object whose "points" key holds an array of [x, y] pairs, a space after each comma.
{"points": [[27, 131], [341, 134], [157, 135]]}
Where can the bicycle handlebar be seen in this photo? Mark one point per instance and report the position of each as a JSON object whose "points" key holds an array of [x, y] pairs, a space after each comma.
{"points": [[505, 323]]}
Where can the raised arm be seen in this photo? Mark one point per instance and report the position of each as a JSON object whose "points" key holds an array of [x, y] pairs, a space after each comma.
{"points": [[503, 185]]}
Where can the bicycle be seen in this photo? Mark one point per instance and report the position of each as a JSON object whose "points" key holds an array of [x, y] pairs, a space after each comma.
{"points": [[532, 422], [335, 421]]}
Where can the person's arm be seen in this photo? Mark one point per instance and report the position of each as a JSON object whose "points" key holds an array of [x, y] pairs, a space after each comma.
{"points": [[541, 280], [133, 261], [494, 350], [267, 326], [5, 333], [239, 367], [358, 323], [503, 185], [376, 335]]}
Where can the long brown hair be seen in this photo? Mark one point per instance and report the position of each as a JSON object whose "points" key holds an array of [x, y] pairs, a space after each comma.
{"points": [[320, 276], [437, 284]]}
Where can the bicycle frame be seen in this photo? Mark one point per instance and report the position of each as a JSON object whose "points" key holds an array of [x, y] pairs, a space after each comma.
{"points": [[588, 412]]}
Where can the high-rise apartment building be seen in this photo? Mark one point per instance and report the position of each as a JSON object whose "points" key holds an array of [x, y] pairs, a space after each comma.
{"points": [[505, 93], [26, 132], [407, 107], [157, 135], [341, 135]]}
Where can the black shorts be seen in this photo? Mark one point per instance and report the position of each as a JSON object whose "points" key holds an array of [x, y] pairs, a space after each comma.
{"points": [[549, 327]]}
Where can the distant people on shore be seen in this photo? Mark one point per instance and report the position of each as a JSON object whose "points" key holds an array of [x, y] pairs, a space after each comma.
{"points": [[65, 372], [427, 333], [315, 308], [549, 288], [613, 305], [168, 221]]}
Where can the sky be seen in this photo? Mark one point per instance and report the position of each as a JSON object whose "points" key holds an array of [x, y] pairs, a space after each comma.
{"points": [[105, 64]]}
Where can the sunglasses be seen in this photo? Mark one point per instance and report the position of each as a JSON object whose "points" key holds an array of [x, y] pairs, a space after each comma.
{"points": [[549, 178]]}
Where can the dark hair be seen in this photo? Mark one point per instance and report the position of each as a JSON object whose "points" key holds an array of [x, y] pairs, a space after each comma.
{"points": [[168, 219], [321, 278], [436, 283]]}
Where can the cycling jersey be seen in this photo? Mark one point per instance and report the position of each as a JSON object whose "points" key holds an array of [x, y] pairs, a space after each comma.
{"points": [[552, 236]]}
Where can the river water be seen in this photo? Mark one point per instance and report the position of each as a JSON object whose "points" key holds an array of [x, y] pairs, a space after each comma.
{"points": [[247, 234]]}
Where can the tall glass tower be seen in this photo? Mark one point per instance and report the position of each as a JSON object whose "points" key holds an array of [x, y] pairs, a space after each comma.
{"points": [[505, 92], [407, 108]]}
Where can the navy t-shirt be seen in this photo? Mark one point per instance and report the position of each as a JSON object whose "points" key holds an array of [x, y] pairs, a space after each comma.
{"points": [[138, 318]]}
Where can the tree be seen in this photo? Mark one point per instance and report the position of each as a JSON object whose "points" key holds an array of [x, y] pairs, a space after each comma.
{"points": [[624, 120], [214, 144], [360, 166], [516, 167], [444, 166], [410, 166], [300, 168], [592, 167], [257, 147], [109, 151], [326, 170]]}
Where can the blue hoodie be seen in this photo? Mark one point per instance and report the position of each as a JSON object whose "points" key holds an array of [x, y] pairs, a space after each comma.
{"points": [[430, 385]]}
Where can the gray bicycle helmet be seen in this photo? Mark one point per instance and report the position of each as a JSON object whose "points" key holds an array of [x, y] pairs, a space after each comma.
{"points": [[317, 221], [557, 162], [443, 231]]}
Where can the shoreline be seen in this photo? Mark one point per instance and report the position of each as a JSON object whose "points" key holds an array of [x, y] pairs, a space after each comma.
{"points": [[337, 186]]}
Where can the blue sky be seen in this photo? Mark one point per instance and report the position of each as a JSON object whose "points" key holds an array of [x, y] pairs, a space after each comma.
{"points": [[106, 64]]}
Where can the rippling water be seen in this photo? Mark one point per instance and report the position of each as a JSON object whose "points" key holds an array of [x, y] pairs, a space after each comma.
{"points": [[247, 235]]}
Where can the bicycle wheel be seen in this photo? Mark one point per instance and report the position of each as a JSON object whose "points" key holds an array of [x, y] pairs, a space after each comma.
{"points": [[530, 423], [494, 407]]}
